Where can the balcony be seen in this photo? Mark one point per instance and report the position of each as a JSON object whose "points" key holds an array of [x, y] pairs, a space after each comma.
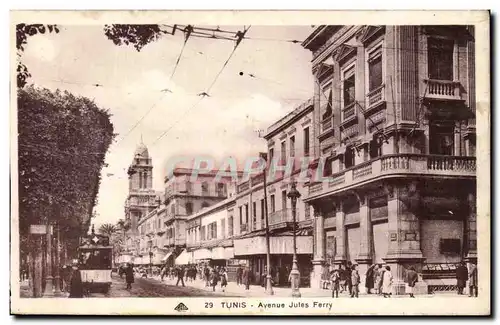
{"points": [[327, 124], [280, 218], [375, 98], [442, 89], [401, 165]]}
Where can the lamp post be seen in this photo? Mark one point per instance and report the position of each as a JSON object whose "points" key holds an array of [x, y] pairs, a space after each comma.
{"points": [[294, 274], [269, 286]]}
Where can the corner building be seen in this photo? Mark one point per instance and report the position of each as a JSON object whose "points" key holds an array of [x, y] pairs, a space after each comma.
{"points": [[395, 107]]}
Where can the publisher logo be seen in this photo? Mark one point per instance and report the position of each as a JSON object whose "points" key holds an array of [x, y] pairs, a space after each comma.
{"points": [[181, 307]]}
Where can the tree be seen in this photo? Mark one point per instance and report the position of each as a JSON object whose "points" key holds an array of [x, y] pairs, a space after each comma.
{"points": [[23, 31], [136, 35], [62, 142], [108, 229]]}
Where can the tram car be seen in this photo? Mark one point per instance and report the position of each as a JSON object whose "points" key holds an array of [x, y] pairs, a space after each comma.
{"points": [[95, 262]]}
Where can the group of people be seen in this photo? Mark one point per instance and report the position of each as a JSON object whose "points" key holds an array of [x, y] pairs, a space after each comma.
{"points": [[346, 277]]}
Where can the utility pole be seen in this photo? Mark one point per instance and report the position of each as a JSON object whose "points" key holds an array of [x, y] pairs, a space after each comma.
{"points": [[269, 286]]}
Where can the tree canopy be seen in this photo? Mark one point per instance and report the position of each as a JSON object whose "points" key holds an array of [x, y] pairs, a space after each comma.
{"points": [[62, 142]]}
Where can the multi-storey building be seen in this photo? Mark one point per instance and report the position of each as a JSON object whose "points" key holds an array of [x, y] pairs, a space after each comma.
{"points": [[142, 198], [396, 106], [210, 234], [289, 141]]}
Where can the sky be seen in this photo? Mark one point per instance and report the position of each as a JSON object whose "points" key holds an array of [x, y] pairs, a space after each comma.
{"points": [[226, 124]]}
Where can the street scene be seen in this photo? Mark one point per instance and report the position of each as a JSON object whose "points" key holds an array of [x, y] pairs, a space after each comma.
{"points": [[169, 160]]}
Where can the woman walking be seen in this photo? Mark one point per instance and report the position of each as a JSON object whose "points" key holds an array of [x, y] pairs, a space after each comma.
{"points": [[411, 279], [369, 276], [223, 279], [387, 282], [214, 279], [129, 276], [76, 284]]}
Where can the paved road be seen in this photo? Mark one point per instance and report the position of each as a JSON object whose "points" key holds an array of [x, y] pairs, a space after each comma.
{"points": [[153, 288]]}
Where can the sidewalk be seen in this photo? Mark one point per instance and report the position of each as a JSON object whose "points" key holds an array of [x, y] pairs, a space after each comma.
{"points": [[258, 291]]}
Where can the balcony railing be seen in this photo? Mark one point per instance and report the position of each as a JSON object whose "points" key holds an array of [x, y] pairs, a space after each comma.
{"points": [[349, 112], [281, 216], [375, 97], [327, 124], [443, 89], [409, 164], [244, 227]]}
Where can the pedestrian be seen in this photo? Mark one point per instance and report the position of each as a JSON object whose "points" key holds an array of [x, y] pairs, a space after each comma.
{"points": [[76, 284], [411, 280], [223, 279], [387, 282], [379, 278], [335, 282], [473, 280], [214, 279], [348, 277], [342, 274], [206, 271], [129, 276], [369, 284], [462, 276], [180, 276], [355, 280], [246, 276]]}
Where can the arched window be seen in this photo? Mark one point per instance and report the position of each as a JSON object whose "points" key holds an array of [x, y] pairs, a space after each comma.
{"points": [[204, 188], [189, 208]]}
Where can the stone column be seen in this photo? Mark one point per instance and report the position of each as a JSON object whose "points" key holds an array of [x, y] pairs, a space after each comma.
{"points": [[471, 229], [364, 258], [319, 252], [340, 255], [404, 234]]}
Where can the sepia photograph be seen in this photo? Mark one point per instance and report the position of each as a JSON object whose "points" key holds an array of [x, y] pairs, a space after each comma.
{"points": [[247, 167]]}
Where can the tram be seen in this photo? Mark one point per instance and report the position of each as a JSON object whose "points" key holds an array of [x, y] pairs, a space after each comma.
{"points": [[95, 262]]}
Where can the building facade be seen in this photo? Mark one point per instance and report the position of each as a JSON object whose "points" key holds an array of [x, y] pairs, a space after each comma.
{"points": [[395, 106], [289, 141]]}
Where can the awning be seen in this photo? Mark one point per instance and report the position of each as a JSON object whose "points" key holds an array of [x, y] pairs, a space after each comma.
{"points": [[158, 258], [222, 253], [278, 245], [166, 257], [184, 258], [202, 254]]}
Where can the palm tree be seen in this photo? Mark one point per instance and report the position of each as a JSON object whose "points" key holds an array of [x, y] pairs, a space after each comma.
{"points": [[107, 229]]}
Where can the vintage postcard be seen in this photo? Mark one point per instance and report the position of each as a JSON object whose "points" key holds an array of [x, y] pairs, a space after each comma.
{"points": [[250, 163]]}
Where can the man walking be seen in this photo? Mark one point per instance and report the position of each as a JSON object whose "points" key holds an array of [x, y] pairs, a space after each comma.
{"points": [[411, 279], [239, 275], [180, 276], [355, 280], [462, 275]]}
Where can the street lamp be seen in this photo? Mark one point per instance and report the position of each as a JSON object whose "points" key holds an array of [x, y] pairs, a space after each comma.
{"points": [[269, 286], [294, 274]]}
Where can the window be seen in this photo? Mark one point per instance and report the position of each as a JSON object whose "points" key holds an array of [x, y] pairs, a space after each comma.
{"points": [[202, 232], [283, 151], [349, 87], [271, 154], [159, 224], [221, 189], [140, 180], [230, 226], [349, 157], [254, 215], [172, 209], [307, 211], [273, 203], [306, 141], [292, 146], [189, 208], [283, 200], [440, 58], [188, 187], [327, 171], [375, 147], [241, 214], [145, 182], [246, 213], [375, 74], [204, 188], [441, 138], [262, 213], [223, 227]]}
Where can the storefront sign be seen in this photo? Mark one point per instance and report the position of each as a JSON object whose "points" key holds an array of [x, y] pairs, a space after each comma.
{"points": [[40, 229]]}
